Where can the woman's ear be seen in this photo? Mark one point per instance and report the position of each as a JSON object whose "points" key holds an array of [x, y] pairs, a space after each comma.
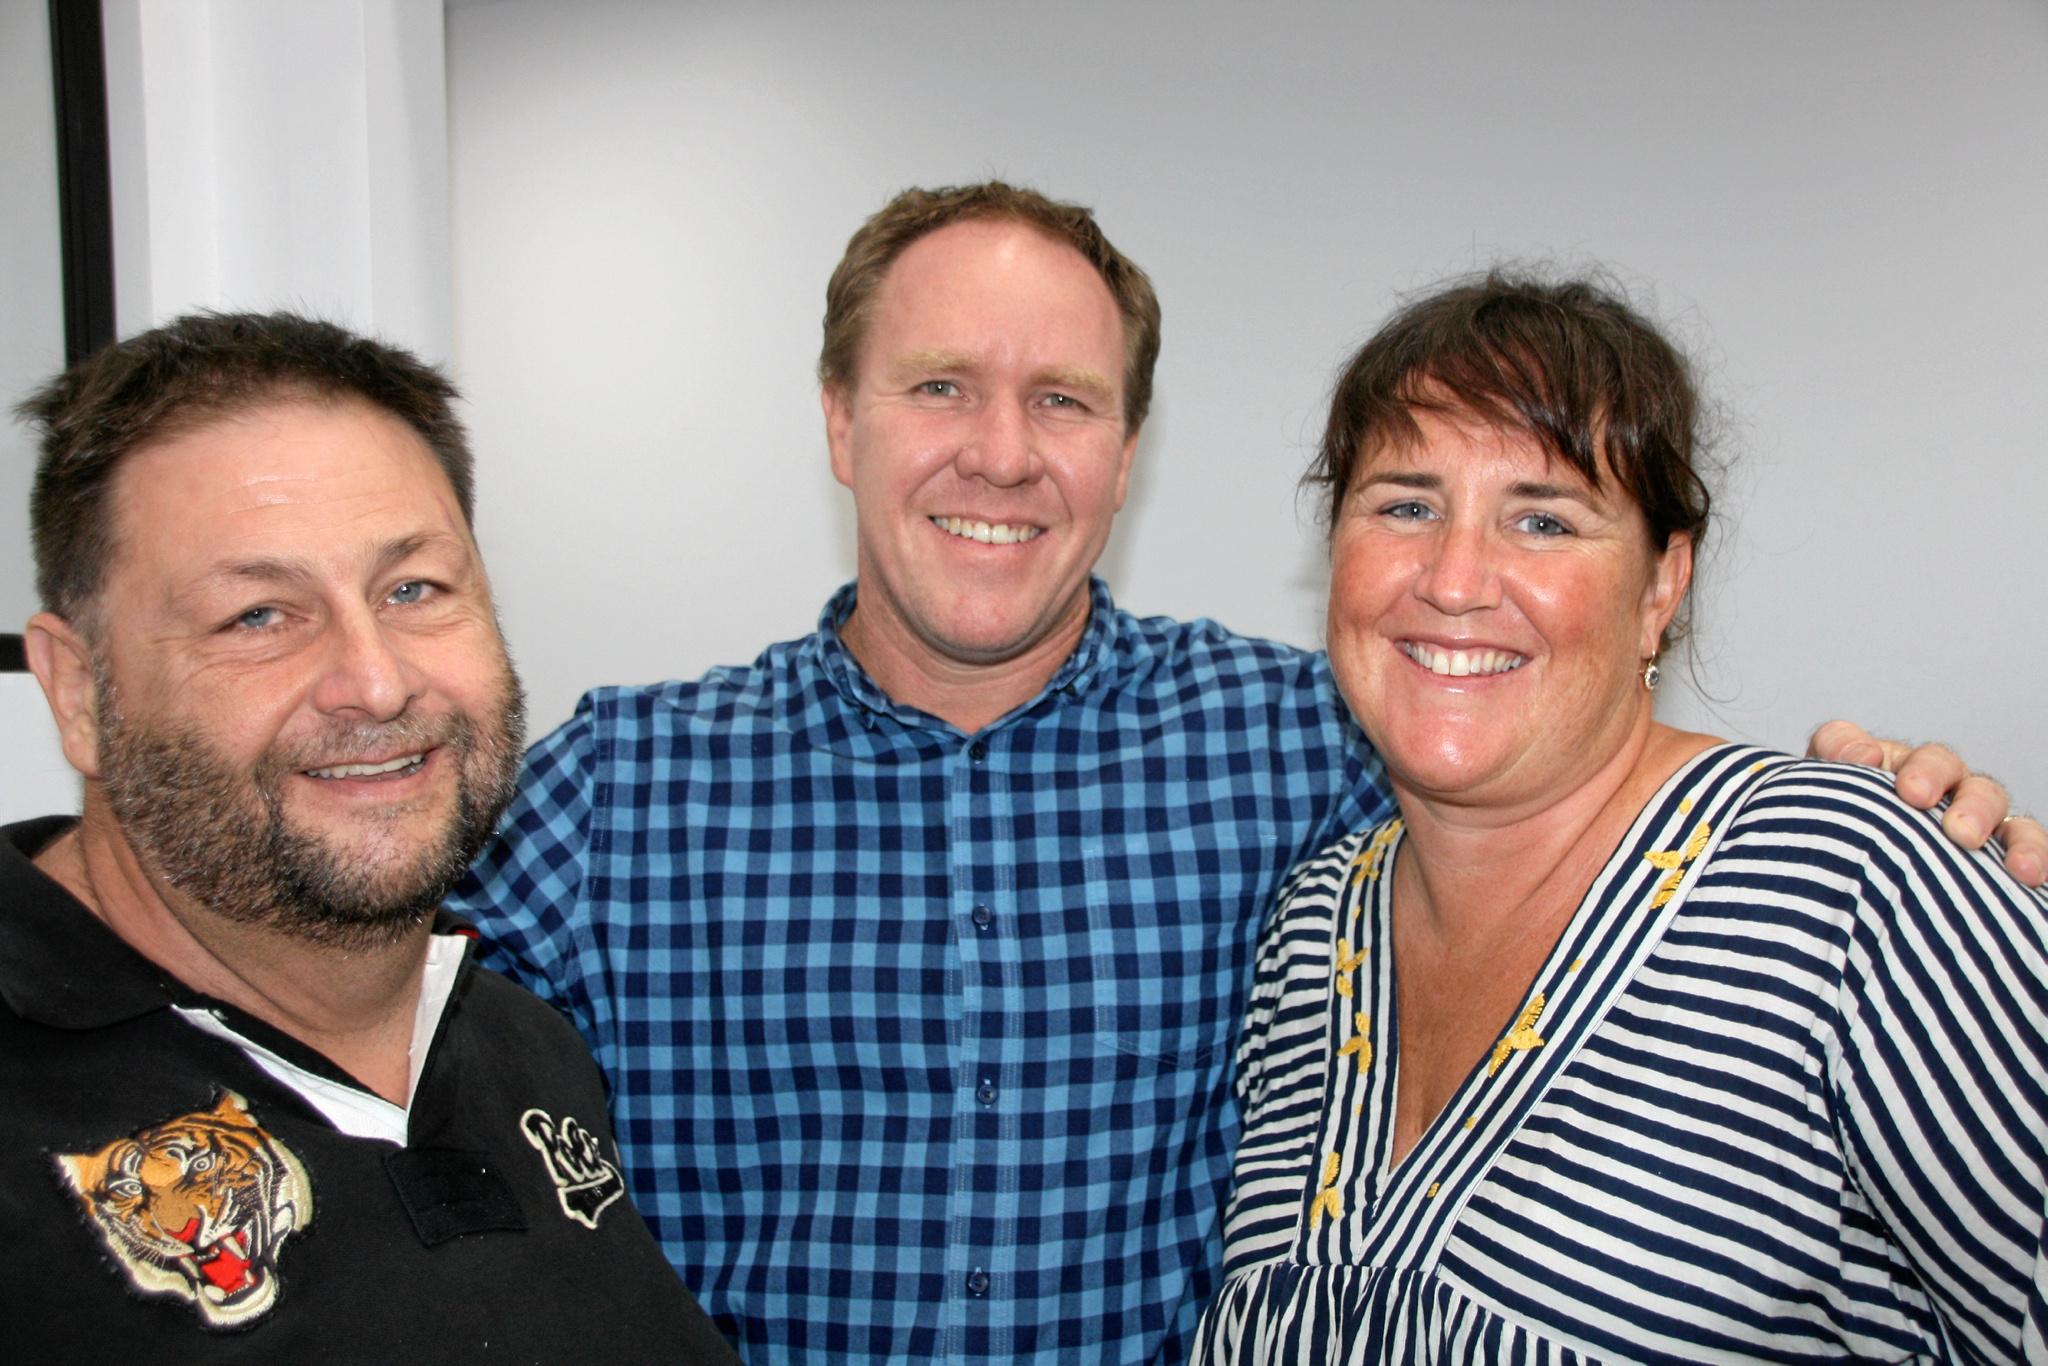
{"points": [[1670, 578]]}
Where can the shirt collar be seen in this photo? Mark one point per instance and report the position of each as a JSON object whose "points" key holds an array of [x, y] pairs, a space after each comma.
{"points": [[1092, 655], [59, 963]]}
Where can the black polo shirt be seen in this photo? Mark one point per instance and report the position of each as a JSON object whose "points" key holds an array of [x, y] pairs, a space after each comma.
{"points": [[166, 1199]]}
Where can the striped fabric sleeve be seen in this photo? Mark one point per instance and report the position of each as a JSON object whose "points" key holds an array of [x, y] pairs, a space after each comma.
{"points": [[522, 892], [1279, 945], [1940, 1076]]}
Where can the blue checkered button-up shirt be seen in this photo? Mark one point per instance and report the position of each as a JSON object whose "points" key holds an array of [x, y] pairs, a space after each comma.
{"points": [[919, 1041]]}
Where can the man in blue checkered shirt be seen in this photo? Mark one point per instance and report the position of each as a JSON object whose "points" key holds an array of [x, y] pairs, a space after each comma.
{"points": [[914, 951]]}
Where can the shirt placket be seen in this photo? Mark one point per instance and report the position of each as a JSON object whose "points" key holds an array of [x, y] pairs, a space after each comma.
{"points": [[989, 1060]]}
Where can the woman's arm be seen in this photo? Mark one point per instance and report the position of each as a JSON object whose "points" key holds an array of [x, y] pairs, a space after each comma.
{"points": [[1940, 1078]]}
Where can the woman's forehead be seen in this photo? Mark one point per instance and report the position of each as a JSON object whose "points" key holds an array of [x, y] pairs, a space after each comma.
{"points": [[1435, 435]]}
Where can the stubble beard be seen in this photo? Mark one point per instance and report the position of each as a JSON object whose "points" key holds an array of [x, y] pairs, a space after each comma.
{"points": [[219, 834]]}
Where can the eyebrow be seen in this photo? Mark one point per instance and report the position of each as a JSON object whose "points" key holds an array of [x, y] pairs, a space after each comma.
{"points": [[298, 573], [917, 362], [1571, 493], [1523, 488], [1077, 377]]}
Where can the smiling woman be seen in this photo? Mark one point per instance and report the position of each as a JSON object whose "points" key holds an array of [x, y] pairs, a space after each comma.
{"points": [[1620, 1041]]}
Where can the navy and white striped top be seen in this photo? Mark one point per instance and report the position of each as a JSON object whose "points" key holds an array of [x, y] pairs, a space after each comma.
{"points": [[1780, 1093]]}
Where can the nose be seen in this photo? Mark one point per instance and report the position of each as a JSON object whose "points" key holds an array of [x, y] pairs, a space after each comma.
{"points": [[366, 672], [1000, 447], [1459, 574]]}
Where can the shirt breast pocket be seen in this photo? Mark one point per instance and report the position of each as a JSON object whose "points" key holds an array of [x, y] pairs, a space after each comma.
{"points": [[1174, 915]]}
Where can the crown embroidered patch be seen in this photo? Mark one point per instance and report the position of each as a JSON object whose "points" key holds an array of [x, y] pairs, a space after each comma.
{"points": [[586, 1181], [197, 1208]]}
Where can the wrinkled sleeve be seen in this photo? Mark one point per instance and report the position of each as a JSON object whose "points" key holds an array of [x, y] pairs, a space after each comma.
{"points": [[525, 892], [1941, 1079], [1293, 951]]}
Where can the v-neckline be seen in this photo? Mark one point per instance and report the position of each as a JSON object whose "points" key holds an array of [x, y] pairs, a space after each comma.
{"points": [[1598, 950]]}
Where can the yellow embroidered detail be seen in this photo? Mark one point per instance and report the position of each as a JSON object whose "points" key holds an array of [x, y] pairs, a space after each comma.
{"points": [[1358, 1043], [1347, 963], [1471, 1121], [1673, 861], [1434, 1187], [1685, 806], [1577, 963], [1327, 1198], [1757, 767], [1522, 1036], [1368, 861]]}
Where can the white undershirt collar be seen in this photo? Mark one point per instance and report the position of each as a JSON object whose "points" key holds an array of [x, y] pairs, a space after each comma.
{"points": [[359, 1113]]}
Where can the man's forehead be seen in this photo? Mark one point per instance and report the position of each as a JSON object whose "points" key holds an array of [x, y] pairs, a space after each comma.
{"points": [[988, 255], [269, 449], [967, 291], [282, 481]]}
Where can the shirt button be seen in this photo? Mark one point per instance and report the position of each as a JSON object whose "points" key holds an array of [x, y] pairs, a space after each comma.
{"points": [[983, 917], [986, 1092], [977, 1282], [977, 751]]}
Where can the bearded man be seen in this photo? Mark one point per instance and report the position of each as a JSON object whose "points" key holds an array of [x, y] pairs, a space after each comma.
{"points": [[255, 1100]]}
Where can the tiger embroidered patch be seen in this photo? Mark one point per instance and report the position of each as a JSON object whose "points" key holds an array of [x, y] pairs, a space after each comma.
{"points": [[196, 1208]]}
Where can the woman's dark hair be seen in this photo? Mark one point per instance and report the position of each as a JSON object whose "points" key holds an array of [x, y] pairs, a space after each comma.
{"points": [[1569, 363]]}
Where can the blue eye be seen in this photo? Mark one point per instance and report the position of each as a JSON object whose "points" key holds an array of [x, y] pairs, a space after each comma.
{"points": [[255, 619], [410, 592], [1408, 510], [1543, 524], [939, 388]]}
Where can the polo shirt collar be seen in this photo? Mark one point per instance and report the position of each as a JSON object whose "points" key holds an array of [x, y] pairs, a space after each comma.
{"points": [[59, 965]]}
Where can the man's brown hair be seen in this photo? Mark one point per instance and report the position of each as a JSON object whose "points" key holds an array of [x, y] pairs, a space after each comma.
{"points": [[849, 297], [201, 368]]}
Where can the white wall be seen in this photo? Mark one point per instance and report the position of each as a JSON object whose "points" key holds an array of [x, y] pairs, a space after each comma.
{"points": [[34, 779], [1840, 202], [31, 277], [269, 155]]}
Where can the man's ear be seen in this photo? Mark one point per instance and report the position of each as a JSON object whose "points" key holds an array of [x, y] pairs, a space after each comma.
{"points": [[838, 406], [1123, 474], [62, 662]]}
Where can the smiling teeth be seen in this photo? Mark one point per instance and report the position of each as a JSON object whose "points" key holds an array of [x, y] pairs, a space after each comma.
{"points": [[987, 533], [368, 770], [1462, 663]]}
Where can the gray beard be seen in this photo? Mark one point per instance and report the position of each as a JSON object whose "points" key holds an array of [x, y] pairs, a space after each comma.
{"points": [[221, 837]]}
